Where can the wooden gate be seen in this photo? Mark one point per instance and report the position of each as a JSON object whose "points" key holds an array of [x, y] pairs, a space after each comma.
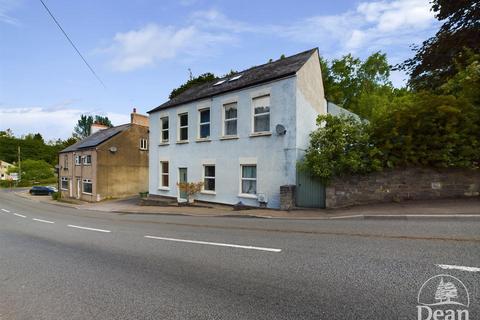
{"points": [[310, 192]]}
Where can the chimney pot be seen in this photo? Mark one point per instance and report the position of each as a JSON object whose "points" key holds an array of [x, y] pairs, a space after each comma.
{"points": [[134, 110]]}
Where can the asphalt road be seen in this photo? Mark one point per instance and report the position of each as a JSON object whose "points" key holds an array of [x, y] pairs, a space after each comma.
{"points": [[176, 267]]}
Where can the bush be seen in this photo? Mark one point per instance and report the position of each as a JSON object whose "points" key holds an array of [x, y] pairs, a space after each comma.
{"points": [[190, 188], [56, 195], [340, 145]]}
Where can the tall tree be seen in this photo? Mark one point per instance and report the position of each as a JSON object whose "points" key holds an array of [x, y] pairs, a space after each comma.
{"points": [[203, 78], [84, 125], [442, 56], [359, 86]]}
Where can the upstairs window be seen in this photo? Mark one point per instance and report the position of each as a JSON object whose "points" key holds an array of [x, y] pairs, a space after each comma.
{"points": [[204, 130], [65, 162], [183, 127], [230, 122], [261, 114], [143, 144], [164, 133], [78, 160], [87, 160]]}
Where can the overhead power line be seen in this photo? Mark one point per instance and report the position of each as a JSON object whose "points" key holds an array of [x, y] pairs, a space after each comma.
{"points": [[71, 42]]}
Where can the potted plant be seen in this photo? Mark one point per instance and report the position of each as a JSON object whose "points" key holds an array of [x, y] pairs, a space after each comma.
{"points": [[190, 189]]}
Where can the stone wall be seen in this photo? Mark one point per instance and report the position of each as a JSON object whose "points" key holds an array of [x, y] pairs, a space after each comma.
{"points": [[402, 184], [287, 197]]}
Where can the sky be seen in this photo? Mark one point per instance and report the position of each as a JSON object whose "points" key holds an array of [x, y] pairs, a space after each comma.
{"points": [[143, 49]]}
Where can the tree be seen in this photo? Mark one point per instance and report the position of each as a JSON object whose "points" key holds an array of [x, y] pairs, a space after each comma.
{"points": [[84, 125], [359, 86], [34, 170], [439, 58], [190, 188], [203, 78]]}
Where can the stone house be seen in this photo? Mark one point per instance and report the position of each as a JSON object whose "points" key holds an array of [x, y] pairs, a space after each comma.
{"points": [[241, 135], [110, 163], [3, 169]]}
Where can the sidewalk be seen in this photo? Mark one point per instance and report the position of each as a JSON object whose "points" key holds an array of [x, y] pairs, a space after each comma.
{"points": [[449, 208]]}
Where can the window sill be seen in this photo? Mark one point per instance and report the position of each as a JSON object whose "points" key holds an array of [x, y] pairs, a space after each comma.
{"points": [[208, 192], [163, 144], [229, 138], [63, 189], [164, 188], [260, 134], [203, 140], [182, 141], [90, 194], [247, 195]]}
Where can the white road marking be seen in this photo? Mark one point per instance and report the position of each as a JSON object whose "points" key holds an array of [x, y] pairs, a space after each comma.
{"points": [[462, 268], [5, 210], [216, 244], [19, 215], [44, 221], [85, 228]]}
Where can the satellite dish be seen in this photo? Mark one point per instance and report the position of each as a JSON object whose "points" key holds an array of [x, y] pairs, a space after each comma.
{"points": [[280, 129], [113, 149]]}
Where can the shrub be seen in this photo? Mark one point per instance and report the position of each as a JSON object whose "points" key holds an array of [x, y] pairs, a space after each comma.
{"points": [[190, 188]]}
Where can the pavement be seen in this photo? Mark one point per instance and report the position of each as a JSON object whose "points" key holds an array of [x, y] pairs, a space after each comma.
{"points": [[465, 208], [60, 262]]}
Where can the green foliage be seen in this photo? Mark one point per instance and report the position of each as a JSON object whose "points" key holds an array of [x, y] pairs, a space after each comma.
{"points": [[424, 129], [84, 125], [56, 195], [359, 86], [203, 78], [439, 58], [34, 170], [340, 145]]}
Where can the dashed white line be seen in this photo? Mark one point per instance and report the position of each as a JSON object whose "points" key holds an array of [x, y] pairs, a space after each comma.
{"points": [[90, 229], [5, 210], [216, 244], [44, 221], [19, 215], [462, 268]]}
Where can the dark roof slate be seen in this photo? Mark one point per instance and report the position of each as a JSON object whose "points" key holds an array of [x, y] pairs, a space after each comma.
{"points": [[253, 76], [96, 138]]}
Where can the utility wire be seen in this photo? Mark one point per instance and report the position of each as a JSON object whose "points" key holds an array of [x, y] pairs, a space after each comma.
{"points": [[73, 45]]}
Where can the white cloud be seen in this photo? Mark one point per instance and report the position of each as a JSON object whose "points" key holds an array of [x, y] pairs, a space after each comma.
{"points": [[51, 122], [6, 6], [153, 43]]}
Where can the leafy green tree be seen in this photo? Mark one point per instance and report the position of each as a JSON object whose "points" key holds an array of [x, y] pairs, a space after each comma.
{"points": [[203, 78], [359, 86], [84, 125], [439, 58], [34, 170], [340, 145]]}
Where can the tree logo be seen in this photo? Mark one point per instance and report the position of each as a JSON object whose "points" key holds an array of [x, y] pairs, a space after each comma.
{"points": [[443, 297]]}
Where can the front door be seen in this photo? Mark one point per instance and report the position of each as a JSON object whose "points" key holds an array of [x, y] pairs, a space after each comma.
{"points": [[79, 185], [182, 173]]}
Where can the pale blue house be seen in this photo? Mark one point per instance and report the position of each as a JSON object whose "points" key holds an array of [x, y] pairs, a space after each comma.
{"points": [[241, 135]]}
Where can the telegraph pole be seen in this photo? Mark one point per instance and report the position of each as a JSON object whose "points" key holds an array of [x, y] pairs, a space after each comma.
{"points": [[19, 166]]}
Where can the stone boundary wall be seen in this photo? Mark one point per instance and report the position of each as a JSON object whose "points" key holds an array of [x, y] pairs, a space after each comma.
{"points": [[402, 184]]}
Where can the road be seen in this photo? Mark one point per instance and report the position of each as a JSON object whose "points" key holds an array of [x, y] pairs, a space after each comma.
{"points": [[63, 263]]}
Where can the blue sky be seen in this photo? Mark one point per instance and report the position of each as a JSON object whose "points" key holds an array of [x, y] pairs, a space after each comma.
{"points": [[142, 49]]}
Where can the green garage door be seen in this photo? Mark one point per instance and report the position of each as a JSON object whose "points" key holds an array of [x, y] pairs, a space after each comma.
{"points": [[310, 192]]}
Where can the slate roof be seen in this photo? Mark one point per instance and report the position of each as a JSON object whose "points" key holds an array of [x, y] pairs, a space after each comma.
{"points": [[256, 75], [97, 138]]}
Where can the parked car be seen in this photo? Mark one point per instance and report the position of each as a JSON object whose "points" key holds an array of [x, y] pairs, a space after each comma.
{"points": [[42, 190]]}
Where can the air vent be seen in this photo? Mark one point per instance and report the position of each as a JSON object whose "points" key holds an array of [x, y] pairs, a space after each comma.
{"points": [[219, 82], [236, 77]]}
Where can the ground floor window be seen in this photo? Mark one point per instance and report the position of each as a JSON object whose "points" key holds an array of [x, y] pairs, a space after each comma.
{"points": [[64, 184], [209, 177], [164, 174], [249, 179], [87, 186]]}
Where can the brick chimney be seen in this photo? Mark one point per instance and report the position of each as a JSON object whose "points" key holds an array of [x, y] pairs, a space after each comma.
{"points": [[139, 119], [97, 127]]}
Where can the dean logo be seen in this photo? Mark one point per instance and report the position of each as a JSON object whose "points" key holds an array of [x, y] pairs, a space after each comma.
{"points": [[443, 297]]}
